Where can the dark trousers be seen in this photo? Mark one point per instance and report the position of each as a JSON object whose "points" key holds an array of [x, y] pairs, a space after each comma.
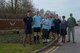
{"points": [[45, 34], [48, 34], [71, 30]]}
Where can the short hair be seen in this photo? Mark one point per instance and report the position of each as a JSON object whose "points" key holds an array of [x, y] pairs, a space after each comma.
{"points": [[29, 11], [63, 16], [71, 14], [56, 15]]}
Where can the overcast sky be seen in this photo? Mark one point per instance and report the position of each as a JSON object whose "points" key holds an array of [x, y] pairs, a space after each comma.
{"points": [[62, 7]]}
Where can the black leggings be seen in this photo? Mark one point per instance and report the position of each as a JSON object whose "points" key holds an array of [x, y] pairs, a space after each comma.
{"points": [[45, 34]]}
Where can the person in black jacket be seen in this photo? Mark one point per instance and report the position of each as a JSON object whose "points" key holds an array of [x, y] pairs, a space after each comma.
{"points": [[57, 23], [27, 27]]}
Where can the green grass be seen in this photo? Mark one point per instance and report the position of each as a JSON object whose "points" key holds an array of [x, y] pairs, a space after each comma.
{"points": [[18, 48], [12, 44], [10, 38]]}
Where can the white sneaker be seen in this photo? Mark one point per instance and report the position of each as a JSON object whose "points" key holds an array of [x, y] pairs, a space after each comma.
{"points": [[48, 40]]}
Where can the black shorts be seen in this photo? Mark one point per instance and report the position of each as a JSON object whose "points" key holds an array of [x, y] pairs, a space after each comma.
{"points": [[45, 34], [52, 29], [37, 29], [28, 31], [57, 31]]}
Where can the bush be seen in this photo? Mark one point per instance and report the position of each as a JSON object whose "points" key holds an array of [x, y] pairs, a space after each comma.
{"points": [[15, 31]]}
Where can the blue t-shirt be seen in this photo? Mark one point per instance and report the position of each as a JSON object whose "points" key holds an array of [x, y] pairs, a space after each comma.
{"points": [[46, 25], [50, 23], [52, 20], [37, 21]]}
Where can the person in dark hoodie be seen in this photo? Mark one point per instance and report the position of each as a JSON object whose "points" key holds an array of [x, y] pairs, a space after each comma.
{"points": [[28, 28], [57, 26]]}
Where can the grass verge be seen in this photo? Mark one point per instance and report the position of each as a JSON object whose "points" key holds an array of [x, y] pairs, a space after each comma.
{"points": [[18, 48]]}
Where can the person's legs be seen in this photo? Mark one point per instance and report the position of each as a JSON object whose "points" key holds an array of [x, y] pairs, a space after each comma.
{"points": [[24, 40], [38, 34], [35, 37], [73, 32], [48, 33], [30, 38], [58, 35], [63, 33], [38, 37], [69, 31], [44, 35], [54, 35], [63, 38]]}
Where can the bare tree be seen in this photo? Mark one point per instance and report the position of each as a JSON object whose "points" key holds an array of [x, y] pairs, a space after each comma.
{"points": [[15, 7], [2, 6]]}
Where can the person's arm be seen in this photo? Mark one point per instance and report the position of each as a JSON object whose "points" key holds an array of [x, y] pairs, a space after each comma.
{"points": [[59, 21], [60, 25], [54, 22], [32, 20], [24, 20], [42, 21], [75, 22], [66, 24], [47, 23]]}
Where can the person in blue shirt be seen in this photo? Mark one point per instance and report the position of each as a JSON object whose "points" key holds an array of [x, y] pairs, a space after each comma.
{"points": [[63, 28], [37, 27], [50, 20], [57, 26], [45, 28], [51, 26], [28, 28]]}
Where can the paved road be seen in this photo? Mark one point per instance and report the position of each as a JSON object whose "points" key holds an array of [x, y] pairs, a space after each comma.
{"points": [[70, 47]]}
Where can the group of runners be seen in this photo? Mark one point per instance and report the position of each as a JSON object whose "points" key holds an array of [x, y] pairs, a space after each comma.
{"points": [[46, 25]]}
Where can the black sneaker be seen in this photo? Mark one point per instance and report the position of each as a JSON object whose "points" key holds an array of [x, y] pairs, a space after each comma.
{"points": [[68, 41], [73, 41]]}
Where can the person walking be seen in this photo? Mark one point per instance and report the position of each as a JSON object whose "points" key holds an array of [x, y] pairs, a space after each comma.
{"points": [[71, 23]]}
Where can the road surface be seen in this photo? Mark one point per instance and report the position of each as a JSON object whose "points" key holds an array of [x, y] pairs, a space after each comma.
{"points": [[70, 47]]}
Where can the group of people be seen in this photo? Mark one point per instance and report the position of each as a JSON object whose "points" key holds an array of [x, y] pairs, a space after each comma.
{"points": [[45, 25]]}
